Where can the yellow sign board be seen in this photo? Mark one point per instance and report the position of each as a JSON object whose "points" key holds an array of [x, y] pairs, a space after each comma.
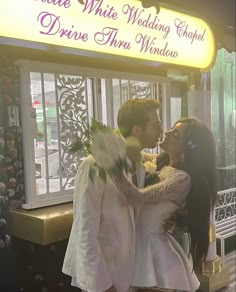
{"points": [[116, 27]]}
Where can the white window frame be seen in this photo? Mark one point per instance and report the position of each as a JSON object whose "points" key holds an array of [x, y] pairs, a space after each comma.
{"points": [[32, 200]]}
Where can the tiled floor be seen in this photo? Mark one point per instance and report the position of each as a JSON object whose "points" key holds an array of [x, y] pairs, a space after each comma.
{"points": [[230, 262]]}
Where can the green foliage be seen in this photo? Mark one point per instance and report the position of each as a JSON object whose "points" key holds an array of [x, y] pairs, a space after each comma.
{"points": [[87, 144], [84, 145], [76, 145], [98, 126]]}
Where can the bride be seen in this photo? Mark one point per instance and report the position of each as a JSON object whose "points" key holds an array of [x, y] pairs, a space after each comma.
{"points": [[190, 181]]}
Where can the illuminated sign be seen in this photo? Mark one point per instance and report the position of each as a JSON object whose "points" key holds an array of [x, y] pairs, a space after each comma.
{"points": [[117, 27]]}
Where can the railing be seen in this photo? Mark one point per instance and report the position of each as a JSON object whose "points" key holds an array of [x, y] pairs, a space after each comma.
{"points": [[225, 205], [225, 217]]}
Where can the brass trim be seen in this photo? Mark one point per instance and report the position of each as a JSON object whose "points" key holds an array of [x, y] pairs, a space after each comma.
{"points": [[42, 226], [212, 233], [212, 267], [214, 282]]}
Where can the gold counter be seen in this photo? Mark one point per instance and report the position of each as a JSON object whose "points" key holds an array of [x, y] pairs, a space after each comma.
{"points": [[43, 226]]}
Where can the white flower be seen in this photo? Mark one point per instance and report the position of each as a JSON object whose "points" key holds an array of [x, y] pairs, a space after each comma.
{"points": [[109, 146], [150, 166]]}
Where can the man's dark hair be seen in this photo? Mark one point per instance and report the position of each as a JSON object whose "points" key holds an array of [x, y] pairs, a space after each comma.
{"points": [[134, 112]]}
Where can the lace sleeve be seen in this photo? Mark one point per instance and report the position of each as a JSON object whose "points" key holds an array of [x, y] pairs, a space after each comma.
{"points": [[175, 188]]}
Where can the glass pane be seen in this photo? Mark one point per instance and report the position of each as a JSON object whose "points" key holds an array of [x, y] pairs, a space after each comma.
{"points": [[116, 99], [175, 109], [39, 141], [223, 92], [60, 103], [103, 99], [52, 133], [90, 98], [64, 104], [124, 91]]}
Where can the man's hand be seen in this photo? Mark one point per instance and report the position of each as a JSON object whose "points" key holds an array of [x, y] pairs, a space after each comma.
{"points": [[169, 225], [176, 222], [111, 289]]}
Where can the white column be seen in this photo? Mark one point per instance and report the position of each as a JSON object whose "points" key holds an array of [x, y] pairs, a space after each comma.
{"points": [[211, 255], [199, 105]]}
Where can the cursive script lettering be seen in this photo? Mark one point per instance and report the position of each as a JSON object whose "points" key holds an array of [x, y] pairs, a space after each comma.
{"points": [[60, 3], [135, 16], [108, 36], [52, 26], [108, 12], [148, 45], [183, 30]]}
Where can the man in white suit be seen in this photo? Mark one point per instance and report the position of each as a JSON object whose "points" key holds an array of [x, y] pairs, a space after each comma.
{"points": [[100, 254]]}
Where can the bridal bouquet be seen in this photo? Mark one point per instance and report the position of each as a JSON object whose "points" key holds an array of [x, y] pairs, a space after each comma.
{"points": [[106, 145], [151, 175]]}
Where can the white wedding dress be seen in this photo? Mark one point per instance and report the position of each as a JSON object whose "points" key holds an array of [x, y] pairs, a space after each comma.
{"points": [[160, 260]]}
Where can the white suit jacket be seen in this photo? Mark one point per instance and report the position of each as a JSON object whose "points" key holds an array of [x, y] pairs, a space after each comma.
{"points": [[101, 247]]}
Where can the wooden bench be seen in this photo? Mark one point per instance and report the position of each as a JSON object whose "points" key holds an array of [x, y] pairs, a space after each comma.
{"points": [[225, 217]]}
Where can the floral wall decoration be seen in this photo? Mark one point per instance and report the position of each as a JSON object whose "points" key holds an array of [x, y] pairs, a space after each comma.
{"points": [[11, 153]]}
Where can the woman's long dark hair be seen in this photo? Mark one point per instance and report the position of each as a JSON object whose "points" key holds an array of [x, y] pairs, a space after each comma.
{"points": [[199, 162]]}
